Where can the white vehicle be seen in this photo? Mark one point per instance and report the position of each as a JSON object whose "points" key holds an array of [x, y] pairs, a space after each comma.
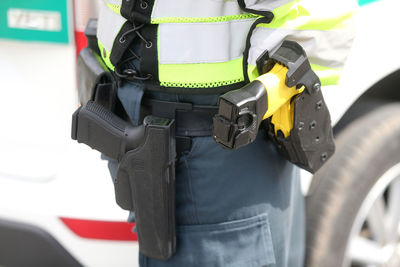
{"points": [[353, 211], [57, 205]]}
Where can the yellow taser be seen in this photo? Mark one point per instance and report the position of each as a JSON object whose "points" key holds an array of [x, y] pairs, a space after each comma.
{"points": [[288, 97]]}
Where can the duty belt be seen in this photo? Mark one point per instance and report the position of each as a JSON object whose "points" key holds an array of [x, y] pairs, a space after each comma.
{"points": [[190, 120]]}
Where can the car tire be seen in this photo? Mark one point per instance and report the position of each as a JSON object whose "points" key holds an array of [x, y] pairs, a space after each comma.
{"points": [[365, 150]]}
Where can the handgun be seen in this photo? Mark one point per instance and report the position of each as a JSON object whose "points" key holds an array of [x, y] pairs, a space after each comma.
{"points": [[146, 171]]}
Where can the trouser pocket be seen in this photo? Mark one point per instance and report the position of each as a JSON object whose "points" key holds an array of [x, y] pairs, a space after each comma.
{"points": [[239, 243]]}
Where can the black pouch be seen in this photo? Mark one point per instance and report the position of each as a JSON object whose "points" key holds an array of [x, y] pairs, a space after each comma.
{"points": [[91, 35], [95, 82]]}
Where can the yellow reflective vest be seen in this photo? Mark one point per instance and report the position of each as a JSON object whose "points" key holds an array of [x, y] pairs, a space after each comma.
{"points": [[214, 44]]}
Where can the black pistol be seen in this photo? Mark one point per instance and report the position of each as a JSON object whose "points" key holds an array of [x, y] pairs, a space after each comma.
{"points": [[146, 171]]}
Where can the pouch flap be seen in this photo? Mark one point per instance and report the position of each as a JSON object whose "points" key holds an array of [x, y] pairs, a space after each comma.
{"points": [[91, 71]]}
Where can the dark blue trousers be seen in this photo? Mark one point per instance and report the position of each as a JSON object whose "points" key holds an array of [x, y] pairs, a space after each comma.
{"points": [[239, 207]]}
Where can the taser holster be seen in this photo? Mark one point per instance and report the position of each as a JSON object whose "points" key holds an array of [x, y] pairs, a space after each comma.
{"points": [[294, 113], [146, 155], [310, 143]]}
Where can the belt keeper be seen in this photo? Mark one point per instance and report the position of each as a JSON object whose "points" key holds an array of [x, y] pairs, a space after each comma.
{"points": [[183, 143], [191, 120]]}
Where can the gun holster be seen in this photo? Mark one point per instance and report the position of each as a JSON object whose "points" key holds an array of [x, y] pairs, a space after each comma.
{"points": [[145, 177], [146, 154], [146, 184]]}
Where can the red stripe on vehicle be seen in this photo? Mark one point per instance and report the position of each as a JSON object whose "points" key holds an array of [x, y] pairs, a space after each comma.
{"points": [[80, 41], [104, 230]]}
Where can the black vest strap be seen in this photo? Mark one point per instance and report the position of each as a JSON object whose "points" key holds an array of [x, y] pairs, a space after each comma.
{"points": [[121, 43], [267, 14], [149, 61], [248, 44], [137, 10]]}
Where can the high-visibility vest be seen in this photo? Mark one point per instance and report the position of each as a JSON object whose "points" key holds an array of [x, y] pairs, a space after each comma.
{"points": [[214, 44]]}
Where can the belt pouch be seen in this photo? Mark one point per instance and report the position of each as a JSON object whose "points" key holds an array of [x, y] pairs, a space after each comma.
{"points": [[146, 183], [91, 35], [95, 82]]}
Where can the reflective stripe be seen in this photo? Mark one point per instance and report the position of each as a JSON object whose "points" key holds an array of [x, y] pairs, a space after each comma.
{"points": [[203, 19], [325, 48], [315, 15], [114, 5], [109, 25], [252, 72], [201, 75], [105, 54], [323, 29], [265, 5], [202, 42], [115, 8], [172, 9], [328, 76], [113, 2]]}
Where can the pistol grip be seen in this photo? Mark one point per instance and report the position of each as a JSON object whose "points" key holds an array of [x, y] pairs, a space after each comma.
{"points": [[99, 128]]}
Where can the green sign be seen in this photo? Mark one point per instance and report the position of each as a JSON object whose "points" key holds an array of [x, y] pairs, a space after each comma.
{"points": [[34, 20], [364, 2]]}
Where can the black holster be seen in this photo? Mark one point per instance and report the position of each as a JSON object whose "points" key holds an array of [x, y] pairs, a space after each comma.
{"points": [[146, 184], [146, 154]]}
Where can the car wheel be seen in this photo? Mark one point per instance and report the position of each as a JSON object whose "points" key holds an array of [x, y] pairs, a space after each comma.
{"points": [[353, 215]]}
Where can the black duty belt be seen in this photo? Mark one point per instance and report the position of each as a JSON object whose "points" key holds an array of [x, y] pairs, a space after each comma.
{"points": [[190, 120]]}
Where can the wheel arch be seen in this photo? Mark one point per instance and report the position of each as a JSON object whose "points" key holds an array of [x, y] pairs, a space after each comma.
{"points": [[386, 90]]}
